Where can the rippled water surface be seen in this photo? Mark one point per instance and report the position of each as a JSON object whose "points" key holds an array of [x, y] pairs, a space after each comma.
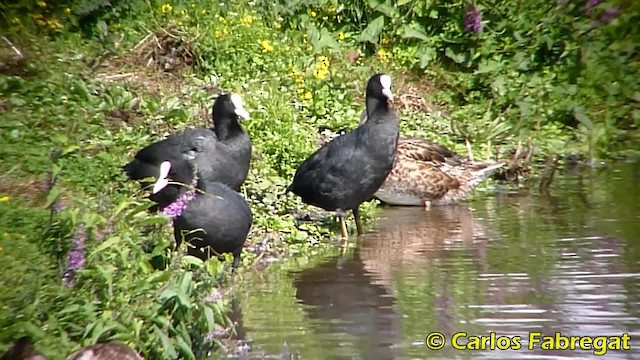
{"points": [[509, 263]]}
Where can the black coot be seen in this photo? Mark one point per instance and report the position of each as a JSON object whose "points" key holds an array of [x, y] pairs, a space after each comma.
{"points": [[213, 218], [221, 154], [348, 170]]}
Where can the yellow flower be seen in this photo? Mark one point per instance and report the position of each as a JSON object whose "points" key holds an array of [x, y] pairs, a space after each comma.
{"points": [[300, 91], [42, 4], [67, 11], [204, 11], [325, 18], [324, 61], [54, 24], [309, 48], [382, 54], [221, 19], [166, 8], [15, 20], [247, 20], [218, 34], [341, 36], [308, 95], [313, 14], [320, 74], [266, 46], [384, 41], [277, 25], [332, 10], [4, 199], [183, 12]]}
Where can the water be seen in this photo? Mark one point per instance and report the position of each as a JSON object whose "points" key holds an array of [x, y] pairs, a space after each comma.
{"points": [[510, 263]]}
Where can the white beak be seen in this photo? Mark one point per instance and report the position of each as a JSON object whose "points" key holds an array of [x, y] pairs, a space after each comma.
{"points": [[387, 92], [242, 113], [162, 181]]}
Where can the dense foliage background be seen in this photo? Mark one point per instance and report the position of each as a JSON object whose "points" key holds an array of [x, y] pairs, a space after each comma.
{"points": [[86, 83]]}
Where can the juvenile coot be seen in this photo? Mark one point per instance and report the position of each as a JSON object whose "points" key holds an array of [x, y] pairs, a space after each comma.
{"points": [[426, 173], [349, 169], [222, 154], [209, 215]]}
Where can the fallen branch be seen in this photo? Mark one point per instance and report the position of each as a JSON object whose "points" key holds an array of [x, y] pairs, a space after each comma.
{"points": [[15, 49]]}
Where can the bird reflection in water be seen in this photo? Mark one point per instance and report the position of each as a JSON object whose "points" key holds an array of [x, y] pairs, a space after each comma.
{"points": [[355, 295]]}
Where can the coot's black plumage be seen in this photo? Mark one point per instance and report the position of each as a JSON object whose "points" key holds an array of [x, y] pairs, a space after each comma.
{"points": [[213, 218], [348, 170], [221, 154]]}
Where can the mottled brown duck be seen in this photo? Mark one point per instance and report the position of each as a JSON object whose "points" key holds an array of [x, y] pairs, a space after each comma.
{"points": [[425, 173]]}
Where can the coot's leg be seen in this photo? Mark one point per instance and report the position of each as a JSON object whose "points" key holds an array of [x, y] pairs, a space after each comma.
{"points": [[343, 226], [356, 214], [236, 261]]}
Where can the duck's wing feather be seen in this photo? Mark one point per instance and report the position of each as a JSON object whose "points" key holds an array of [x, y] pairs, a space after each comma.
{"points": [[425, 151]]}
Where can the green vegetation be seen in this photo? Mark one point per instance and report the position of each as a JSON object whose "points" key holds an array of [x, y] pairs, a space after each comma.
{"points": [[85, 85]]}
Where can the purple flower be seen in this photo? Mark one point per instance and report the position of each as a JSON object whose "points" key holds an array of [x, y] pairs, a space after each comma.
{"points": [[473, 19], [610, 14], [76, 255], [176, 208], [217, 331], [48, 183], [592, 3], [214, 296], [208, 337]]}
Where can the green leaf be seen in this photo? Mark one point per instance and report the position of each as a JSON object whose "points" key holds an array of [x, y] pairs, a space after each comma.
{"points": [[426, 54], [327, 41], [403, 2], [372, 31], [412, 32], [578, 113], [109, 243], [184, 348], [189, 260], [69, 149], [186, 280], [167, 345], [209, 317], [70, 309], [458, 58], [158, 277], [52, 196], [487, 66], [387, 10], [162, 321]]}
